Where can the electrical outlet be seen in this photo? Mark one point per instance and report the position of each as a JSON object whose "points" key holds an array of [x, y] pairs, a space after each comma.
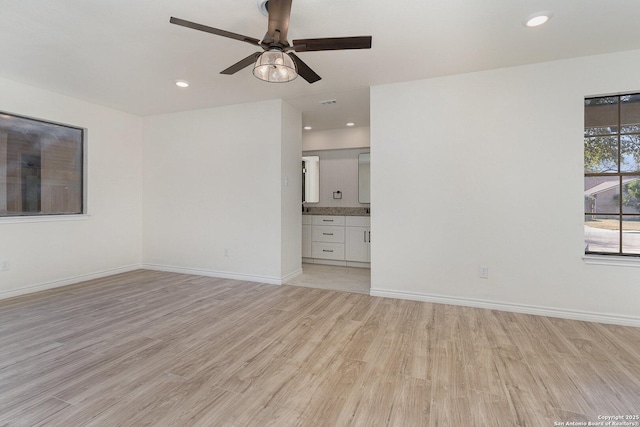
{"points": [[4, 265], [226, 252], [484, 272]]}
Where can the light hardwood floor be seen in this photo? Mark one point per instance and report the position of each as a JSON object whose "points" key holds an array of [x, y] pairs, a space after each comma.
{"points": [[152, 348]]}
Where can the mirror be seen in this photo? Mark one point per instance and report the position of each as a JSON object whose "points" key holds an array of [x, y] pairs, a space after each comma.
{"points": [[310, 179], [364, 178]]}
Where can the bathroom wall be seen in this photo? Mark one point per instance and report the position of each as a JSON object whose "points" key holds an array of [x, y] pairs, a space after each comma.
{"points": [[338, 150], [336, 139], [338, 172]]}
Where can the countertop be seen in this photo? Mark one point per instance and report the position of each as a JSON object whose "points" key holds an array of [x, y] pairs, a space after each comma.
{"points": [[316, 210]]}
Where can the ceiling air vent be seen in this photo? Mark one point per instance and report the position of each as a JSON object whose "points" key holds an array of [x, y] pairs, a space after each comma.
{"points": [[329, 102]]}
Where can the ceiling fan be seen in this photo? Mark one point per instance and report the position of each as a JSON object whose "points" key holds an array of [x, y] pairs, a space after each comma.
{"points": [[278, 63]]}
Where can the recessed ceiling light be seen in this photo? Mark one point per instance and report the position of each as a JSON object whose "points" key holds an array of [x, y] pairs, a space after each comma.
{"points": [[308, 128], [264, 8], [182, 83], [351, 124], [537, 19]]}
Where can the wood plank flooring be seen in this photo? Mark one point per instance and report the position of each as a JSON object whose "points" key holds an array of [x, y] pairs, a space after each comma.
{"points": [[161, 349]]}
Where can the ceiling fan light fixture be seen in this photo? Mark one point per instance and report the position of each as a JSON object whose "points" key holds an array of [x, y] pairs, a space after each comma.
{"points": [[275, 66]]}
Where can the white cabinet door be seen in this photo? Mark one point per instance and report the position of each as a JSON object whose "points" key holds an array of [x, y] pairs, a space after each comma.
{"points": [[357, 244], [306, 241]]}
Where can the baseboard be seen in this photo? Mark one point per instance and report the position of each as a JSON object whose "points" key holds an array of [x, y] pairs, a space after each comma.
{"points": [[216, 273], [356, 264], [515, 308], [68, 281], [414, 296], [337, 263], [292, 276], [325, 262]]}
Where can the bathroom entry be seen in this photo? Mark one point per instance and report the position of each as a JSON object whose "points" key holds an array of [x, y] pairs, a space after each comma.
{"points": [[336, 231]]}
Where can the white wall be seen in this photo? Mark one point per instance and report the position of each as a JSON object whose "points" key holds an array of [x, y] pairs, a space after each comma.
{"points": [[486, 169], [336, 139], [48, 254], [291, 179], [213, 191]]}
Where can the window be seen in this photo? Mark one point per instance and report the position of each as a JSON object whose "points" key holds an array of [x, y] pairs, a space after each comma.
{"points": [[612, 175], [41, 167]]}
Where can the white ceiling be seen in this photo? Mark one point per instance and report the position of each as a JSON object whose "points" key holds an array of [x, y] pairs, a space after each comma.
{"points": [[124, 53]]}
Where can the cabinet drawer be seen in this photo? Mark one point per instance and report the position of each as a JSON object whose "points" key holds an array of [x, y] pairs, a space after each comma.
{"points": [[328, 234], [328, 220], [328, 250]]}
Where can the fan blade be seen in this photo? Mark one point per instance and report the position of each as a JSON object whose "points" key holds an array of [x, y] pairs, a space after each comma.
{"points": [[215, 31], [242, 64], [303, 69], [279, 12], [333, 43]]}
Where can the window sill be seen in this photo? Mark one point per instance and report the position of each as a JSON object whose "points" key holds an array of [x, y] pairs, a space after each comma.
{"points": [[42, 218], [621, 261]]}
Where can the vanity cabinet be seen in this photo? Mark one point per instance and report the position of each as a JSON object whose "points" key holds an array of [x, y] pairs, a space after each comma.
{"points": [[358, 239], [336, 240]]}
